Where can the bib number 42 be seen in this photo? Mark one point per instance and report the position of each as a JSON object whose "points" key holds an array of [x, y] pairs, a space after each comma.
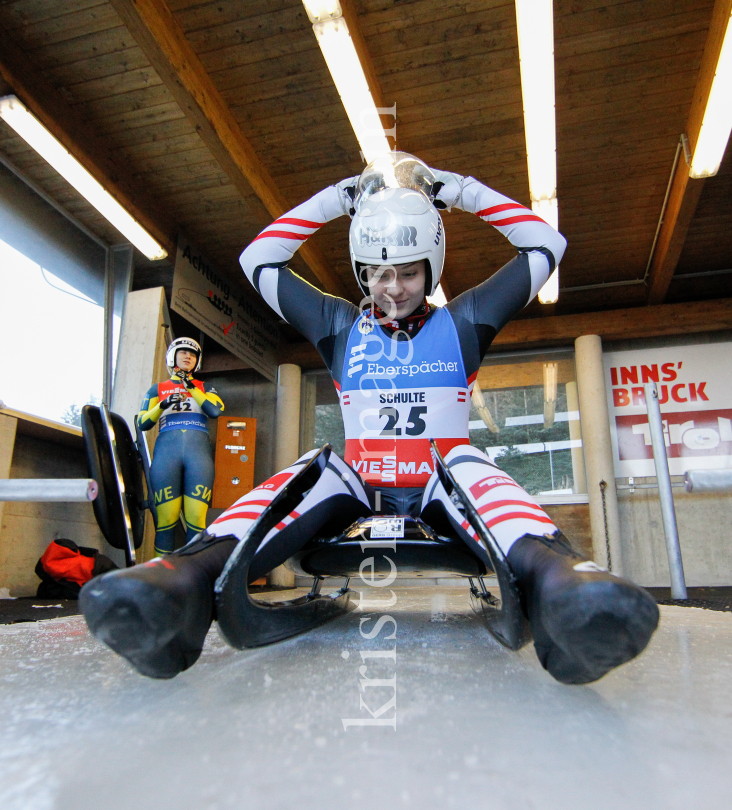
{"points": [[415, 425]]}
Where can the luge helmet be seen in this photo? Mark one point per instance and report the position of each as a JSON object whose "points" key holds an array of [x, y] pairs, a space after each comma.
{"points": [[395, 221], [182, 343]]}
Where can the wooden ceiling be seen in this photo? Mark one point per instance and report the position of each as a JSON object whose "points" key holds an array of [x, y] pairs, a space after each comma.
{"points": [[210, 118]]}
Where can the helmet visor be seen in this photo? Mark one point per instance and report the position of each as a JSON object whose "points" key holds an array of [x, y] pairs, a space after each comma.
{"points": [[395, 170], [385, 209]]}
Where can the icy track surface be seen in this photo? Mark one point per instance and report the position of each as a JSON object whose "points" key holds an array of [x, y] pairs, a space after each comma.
{"points": [[477, 726]]}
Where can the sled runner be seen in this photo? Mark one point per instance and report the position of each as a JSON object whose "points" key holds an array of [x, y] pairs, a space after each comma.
{"points": [[248, 622], [408, 544], [503, 615]]}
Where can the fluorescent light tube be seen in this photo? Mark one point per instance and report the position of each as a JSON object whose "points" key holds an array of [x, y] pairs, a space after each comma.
{"points": [[548, 210], [535, 23], [717, 122], [17, 116], [345, 68], [319, 10], [549, 293]]}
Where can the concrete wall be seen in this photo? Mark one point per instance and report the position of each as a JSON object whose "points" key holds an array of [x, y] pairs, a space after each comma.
{"points": [[705, 536]]}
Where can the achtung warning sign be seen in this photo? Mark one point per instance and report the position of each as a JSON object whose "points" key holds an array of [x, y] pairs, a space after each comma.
{"points": [[206, 298]]}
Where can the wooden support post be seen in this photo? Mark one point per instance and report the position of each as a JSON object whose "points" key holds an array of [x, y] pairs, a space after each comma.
{"points": [[597, 446], [287, 440]]}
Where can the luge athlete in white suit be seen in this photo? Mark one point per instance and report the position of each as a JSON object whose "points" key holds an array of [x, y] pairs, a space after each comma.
{"points": [[404, 370]]}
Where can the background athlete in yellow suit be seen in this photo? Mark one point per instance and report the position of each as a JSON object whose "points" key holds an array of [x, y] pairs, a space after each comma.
{"points": [[182, 470]]}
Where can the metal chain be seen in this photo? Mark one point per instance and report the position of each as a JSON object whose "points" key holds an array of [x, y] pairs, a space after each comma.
{"points": [[603, 487]]}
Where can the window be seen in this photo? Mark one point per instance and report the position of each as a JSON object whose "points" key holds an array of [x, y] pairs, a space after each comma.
{"points": [[525, 417], [52, 277], [319, 400], [53, 339]]}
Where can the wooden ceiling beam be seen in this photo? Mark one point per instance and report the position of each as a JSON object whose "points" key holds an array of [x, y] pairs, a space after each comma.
{"points": [[78, 137], [163, 42], [617, 324], [685, 192], [563, 330]]}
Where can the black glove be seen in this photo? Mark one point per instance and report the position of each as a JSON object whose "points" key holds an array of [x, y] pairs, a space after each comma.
{"points": [[447, 189], [171, 399], [435, 191], [347, 194], [185, 377]]}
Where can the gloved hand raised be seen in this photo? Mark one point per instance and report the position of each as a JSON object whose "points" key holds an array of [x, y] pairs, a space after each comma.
{"points": [[347, 194], [448, 189], [164, 404], [185, 377]]}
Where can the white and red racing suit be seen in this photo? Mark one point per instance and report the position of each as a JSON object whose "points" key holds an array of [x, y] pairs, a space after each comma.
{"points": [[398, 391]]}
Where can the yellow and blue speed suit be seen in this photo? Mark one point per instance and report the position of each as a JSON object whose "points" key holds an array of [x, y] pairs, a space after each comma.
{"points": [[182, 470]]}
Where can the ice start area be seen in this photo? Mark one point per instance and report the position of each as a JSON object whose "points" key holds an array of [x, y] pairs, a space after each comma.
{"points": [[465, 721]]}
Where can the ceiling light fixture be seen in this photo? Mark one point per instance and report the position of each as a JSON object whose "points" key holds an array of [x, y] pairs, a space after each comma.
{"points": [[536, 54], [345, 68], [535, 24], [549, 293], [548, 210], [717, 122], [16, 115]]}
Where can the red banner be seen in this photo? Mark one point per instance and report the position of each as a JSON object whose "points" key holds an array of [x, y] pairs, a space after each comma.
{"points": [[697, 434]]}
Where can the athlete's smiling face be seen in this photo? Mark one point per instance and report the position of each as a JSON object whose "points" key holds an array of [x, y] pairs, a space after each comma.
{"points": [[397, 289], [185, 360]]}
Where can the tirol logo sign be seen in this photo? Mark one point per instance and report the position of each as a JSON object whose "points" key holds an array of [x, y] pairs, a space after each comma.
{"points": [[695, 393]]}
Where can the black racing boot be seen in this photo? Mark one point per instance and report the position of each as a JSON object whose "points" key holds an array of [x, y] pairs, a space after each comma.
{"points": [[585, 620], [157, 615]]}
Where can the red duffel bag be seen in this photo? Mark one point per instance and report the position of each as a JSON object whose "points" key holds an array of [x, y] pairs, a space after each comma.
{"points": [[65, 567]]}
